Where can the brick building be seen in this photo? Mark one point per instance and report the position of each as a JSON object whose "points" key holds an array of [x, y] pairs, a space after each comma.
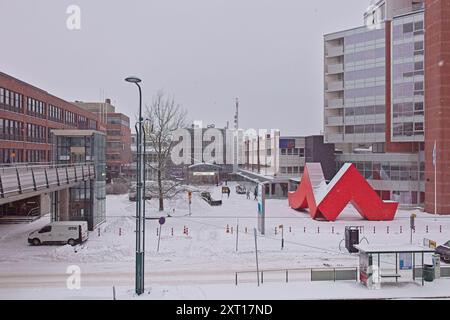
{"points": [[27, 116]]}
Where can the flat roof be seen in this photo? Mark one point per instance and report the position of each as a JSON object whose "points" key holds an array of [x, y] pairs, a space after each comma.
{"points": [[75, 132], [405, 248]]}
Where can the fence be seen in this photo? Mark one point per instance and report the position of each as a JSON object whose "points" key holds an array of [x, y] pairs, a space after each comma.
{"points": [[299, 274], [313, 274]]}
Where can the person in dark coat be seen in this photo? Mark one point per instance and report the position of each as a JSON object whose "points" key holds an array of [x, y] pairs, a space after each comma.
{"points": [[256, 193]]}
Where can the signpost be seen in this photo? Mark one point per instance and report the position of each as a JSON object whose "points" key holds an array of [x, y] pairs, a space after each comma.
{"points": [[190, 201], [162, 220], [261, 197], [282, 235], [412, 223], [256, 252]]}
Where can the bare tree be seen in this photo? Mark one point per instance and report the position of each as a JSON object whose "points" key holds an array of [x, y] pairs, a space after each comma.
{"points": [[165, 116]]}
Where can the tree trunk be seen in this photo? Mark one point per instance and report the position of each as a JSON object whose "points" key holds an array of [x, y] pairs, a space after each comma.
{"points": [[161, 194]]}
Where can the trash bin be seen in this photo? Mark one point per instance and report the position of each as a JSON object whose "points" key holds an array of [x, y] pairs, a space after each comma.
{"points": [[428, 272]]}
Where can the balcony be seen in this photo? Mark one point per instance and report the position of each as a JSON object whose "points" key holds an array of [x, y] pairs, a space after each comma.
{"points": [[335, 68], [335, 86], [335, 51], [335, 103]]}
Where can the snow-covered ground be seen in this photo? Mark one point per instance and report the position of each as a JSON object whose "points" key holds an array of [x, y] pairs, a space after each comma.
{"points": [[203, 263]]}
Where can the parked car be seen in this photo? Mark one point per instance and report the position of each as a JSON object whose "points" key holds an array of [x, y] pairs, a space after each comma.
{"points": [[444, 252], [241, 189], [132, 195], [61, 232], [207, 197]]}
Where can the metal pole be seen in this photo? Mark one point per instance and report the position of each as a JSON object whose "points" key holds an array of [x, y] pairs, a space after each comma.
{"points": [[282, 237], [159, 237], [237, 235], [256, 252], [435, 185], [139, 204]]}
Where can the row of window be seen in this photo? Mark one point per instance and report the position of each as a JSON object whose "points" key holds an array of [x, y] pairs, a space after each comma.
{"points": [[10, 100], [293, 152], [11, 130], [55, 114], [36, 108], [408, 129], [16, 155], [407, 109], [36, 133], [390, 170], [365, 128], [365, 110], [294, 169]]}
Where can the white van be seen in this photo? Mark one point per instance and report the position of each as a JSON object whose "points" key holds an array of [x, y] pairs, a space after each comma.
{"points": [[61, 232]]}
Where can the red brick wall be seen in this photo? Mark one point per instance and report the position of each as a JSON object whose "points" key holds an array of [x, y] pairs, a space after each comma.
{"points": [[437, 103], [28, 90]]}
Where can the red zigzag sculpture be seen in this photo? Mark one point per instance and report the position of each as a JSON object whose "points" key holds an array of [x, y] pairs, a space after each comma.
{"points": [[348, 186]]}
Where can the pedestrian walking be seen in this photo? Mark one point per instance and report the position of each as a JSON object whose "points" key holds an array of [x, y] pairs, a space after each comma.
{"points": [[248, 194], [256, 193]]}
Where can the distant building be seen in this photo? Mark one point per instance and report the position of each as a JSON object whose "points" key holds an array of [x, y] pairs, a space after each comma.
{"points": [[118, 136], [282, 160]]}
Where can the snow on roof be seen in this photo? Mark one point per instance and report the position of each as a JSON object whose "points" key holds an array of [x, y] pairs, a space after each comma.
{"points": [[322, 190], [367, 248]]}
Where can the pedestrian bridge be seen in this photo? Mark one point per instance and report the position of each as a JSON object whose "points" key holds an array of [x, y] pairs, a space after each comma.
{"points": [[21, 181]]}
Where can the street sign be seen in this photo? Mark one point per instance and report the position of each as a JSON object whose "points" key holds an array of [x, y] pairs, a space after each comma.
{"points": [[412, 221], [162, 220]]}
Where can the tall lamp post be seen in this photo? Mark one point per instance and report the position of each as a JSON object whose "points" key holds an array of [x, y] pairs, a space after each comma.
{"points": [[140, 202]]}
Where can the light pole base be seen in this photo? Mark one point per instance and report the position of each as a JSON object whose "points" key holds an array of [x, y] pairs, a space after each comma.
{"points": [[139, 273]]}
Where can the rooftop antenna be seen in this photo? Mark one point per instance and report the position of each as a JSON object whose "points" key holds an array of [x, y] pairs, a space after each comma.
{"points": [[236, 115]]}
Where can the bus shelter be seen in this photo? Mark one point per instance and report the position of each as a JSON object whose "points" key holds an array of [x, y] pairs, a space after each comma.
{"points": [[391, 263]]}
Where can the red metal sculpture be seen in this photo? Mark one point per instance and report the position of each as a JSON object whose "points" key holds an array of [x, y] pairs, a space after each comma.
{"points": [[326, 201]]}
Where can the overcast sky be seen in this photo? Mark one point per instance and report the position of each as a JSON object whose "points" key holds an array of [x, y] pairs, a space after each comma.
{"points": [[269, 53]]}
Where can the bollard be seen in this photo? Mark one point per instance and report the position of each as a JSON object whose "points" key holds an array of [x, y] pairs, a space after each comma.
{"points": [[290, 229], [401, 229], [427, 229], [245, 229], [304, 229], [187, 231], [120, 232], [228, 229], [171, 231], [318, 229], [440, 229], [99, 232], [275, 230], [332, 230], [387, 230], [374, 230]]}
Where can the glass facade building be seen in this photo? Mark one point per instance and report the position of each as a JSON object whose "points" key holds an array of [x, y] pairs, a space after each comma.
{"points": [[374, 99], [87, 200]]}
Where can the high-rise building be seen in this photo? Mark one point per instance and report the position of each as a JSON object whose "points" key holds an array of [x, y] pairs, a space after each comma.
{"points": [[386, 99]]}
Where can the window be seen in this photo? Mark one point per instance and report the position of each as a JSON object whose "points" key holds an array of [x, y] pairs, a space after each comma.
{"points": [[408, 27], [45, 229]]}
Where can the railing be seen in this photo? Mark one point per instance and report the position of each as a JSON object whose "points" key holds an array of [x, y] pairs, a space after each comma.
{"points": [[16, 179], [301, 274]]}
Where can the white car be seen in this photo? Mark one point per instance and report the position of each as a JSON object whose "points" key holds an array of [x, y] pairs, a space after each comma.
{"points": [[61, 232]]}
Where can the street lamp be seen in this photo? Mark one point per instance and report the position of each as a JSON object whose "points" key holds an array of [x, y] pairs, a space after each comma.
{"points": [[140, 204]]}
